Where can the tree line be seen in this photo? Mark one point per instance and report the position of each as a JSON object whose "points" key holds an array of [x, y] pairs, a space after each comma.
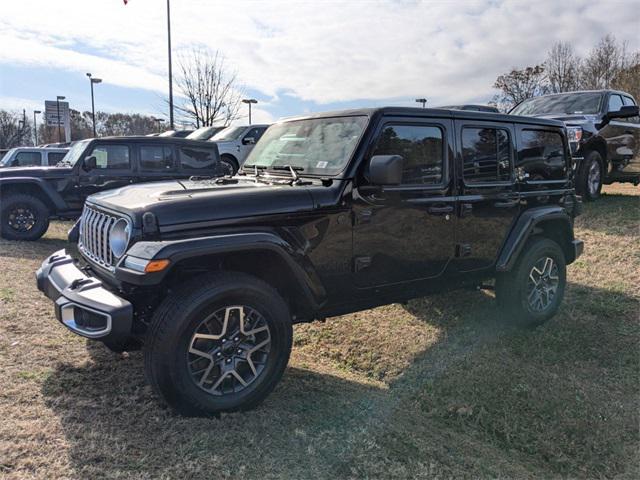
{"points": [[608, 65]]}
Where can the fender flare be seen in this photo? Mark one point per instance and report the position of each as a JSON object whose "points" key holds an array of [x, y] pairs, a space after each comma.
{"points": [[178, 250], [54, 197], [524, 228]]}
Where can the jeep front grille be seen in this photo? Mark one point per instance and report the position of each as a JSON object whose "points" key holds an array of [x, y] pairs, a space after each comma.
{"points": [[95, 228]]}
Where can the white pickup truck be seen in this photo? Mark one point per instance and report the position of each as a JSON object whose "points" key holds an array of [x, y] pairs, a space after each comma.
{"points": [[33, 157], [235, 143]]}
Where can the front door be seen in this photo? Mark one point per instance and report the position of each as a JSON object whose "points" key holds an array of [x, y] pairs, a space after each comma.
{"points": [[488, 201], [405, 233], [112, 169]]}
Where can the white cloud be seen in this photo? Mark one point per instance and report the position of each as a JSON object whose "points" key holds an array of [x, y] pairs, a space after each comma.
{"points": [[320, 51]]}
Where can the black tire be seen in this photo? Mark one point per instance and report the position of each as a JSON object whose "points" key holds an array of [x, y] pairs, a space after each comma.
{"points": [[167, 348], [23, 217], [229, 165], [586, 185], [514, 289]]}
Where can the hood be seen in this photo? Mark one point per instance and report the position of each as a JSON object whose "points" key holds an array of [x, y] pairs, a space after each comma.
{"points": [[39, 172], [186, 201]]}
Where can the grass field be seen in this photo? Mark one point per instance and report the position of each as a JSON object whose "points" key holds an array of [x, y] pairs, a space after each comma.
{"points": [[438, 388]]}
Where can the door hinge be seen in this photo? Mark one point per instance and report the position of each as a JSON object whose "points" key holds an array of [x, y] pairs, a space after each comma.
{"points": [[360, 263], [463, 250]]}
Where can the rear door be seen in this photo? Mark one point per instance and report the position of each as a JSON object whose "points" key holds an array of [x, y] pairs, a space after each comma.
{"points": [[53, 158], [156, 162], [488, 201], [405, 233]]}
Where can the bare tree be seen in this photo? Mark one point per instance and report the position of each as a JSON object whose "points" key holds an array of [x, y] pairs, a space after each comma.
{"points": [[604, 63], [209, 89], [14, 130], [563, 68], [518, 85], [628, 78]]}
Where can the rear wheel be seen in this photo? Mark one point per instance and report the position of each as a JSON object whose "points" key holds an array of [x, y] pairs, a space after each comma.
{"points": [[589, 177], [23, 217], [219, 343], [532, 291]]}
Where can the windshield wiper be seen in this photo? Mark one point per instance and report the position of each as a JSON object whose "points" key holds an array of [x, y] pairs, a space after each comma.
{"points": [[291, 169]]}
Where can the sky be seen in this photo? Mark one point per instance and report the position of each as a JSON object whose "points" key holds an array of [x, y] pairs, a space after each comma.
{"points": [[293, 56]]}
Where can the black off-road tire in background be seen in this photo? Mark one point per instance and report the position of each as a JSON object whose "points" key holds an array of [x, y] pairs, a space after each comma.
{"points": [[229, 164], [23, 217], [590, 176], [193, 374], [532, 291]]}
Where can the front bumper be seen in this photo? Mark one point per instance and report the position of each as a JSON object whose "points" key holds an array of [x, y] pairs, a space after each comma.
{"points": [[82, 303]]}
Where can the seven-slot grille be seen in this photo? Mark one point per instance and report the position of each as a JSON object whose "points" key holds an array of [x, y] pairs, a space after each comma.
{"points": [[95, 229]]}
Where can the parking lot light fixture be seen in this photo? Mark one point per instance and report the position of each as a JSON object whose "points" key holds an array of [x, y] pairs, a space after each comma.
{"points": [[423, 101], [58, 98], [249, 101]]}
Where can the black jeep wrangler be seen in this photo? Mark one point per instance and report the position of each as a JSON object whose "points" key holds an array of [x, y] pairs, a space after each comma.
{"points": [[604, 133], [30, 196], [332, 213]]}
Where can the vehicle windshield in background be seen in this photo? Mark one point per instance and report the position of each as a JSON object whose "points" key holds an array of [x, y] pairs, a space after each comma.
{"points": [[228, 134], [320, 146], [203, 133], [7, 157], [73, 154], [586, 103]]}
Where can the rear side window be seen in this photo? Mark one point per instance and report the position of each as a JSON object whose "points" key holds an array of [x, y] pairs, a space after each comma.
{"points": [[54, 157], [156, 158], [27, 159], [542, 155], [196, 158], [111, 157], [486, 155], [421, 146]]}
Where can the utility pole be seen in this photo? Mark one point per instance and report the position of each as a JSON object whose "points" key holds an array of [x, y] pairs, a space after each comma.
{"points": [[35, 128], [170, 69], [249, 101]]}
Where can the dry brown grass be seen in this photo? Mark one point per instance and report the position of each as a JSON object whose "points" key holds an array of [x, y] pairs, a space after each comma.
{"points": [[434, 389]]}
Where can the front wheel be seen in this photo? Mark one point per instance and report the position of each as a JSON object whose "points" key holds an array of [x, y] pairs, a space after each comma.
{"points": [[23, 217], [217, 344], [532, 292], [228, 165], [590, 176]]}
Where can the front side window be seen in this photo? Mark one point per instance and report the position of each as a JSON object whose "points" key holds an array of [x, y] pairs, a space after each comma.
{"points": [[229, 134], [615, 103], [55, 157], [196, 158], [111, 157], [420, 146], [542, 155], [28, 159], [486, 155], [255, 133], [156, 157], [321, 146]]}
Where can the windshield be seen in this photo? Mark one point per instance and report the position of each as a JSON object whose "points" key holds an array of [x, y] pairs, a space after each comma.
{"points": [[228, 134], [320, 146], [587, 103], [73, 154], [203, 133], [7, 157]]}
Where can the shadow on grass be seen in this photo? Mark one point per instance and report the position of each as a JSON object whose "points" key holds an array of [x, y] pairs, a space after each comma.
{"points": [[317, 425]]}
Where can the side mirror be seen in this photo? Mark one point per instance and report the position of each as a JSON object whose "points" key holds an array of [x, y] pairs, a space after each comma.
{"points": [[90, 163], [248, 141], [627, 111], [385, 170]]}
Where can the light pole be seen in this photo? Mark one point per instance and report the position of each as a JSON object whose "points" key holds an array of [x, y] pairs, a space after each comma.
{"points": [[170, 69], [423, 101], [35, 128], [58, 98], [93, 80], [249, 101]]}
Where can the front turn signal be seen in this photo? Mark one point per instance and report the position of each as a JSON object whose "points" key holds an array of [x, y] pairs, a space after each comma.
{"points": [[156, 266]]}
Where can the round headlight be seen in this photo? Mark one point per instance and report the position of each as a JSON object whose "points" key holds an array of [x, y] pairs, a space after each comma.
{"points": [[119, 237]]}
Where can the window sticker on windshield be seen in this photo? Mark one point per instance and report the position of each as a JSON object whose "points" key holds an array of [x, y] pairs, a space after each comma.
{"points": [[322, 164]]}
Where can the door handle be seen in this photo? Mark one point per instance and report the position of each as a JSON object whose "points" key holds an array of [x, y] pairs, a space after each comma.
{"points": [[438, 209], [506, 203]]}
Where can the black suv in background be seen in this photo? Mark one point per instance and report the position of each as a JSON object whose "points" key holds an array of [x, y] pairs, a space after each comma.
{"points": [[30, 196], [604, 132], [332, 213]]}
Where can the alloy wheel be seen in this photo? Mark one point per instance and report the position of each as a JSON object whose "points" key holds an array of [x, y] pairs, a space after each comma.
{"points": [[593, 179], [229, 350], [21, 218], [543, 284]]}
